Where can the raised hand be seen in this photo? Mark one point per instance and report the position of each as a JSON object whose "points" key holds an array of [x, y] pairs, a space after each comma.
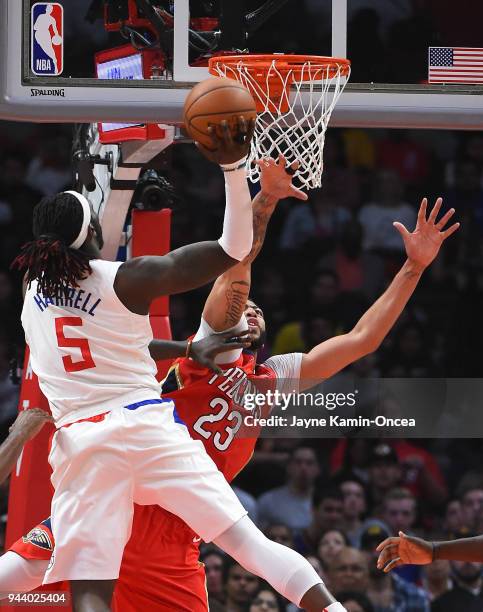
{"points": [[276, 178], [403, 549], [29, 422], [204, 351], [424, 243], [229, 146]]}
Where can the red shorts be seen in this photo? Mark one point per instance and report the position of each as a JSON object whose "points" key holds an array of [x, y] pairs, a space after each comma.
{"points": [[160, 570]]}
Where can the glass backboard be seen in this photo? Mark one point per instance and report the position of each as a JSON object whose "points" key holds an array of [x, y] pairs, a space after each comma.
{"points": [[52, 67]]}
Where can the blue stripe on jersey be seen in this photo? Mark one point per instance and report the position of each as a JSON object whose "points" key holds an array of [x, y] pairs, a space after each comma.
{"points": [[176, 417], [147, 402]]}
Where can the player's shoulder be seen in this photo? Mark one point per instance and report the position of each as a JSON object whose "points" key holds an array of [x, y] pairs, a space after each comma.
{"points": [[285, 364]]}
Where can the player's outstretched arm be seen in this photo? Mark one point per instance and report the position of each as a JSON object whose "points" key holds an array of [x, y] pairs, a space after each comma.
{"points": [[27, 425], [226, 301], [405, 549], [422, 246], [202, 351], [142, 279]]}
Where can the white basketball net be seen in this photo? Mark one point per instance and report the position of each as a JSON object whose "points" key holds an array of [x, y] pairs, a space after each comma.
{"points": [[299, 132]]}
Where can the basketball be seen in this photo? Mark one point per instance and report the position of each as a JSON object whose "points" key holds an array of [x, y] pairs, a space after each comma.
{"points": [[213, 101], [56, 40]]}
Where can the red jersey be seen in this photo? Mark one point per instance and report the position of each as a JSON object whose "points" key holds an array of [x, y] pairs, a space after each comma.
{"points": [[212, 407]]}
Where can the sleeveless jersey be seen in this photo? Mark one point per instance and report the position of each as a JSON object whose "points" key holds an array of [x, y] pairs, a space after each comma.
{"points": [[212, 405], [89, 351]]}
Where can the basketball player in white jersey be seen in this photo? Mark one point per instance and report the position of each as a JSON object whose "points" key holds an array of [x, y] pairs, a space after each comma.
{"points": [[86, 322]]}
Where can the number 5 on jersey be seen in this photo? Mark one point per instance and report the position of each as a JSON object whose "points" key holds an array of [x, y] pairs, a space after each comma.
{"points": [[80, 343]]}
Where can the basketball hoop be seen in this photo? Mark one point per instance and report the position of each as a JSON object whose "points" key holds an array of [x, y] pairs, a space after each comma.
{"points": [[295, 97]]}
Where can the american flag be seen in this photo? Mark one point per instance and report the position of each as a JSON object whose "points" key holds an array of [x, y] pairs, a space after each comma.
{"points": [[455, 65]]}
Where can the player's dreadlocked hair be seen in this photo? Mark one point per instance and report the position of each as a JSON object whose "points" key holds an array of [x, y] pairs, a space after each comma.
{"points": [[57, 221]]}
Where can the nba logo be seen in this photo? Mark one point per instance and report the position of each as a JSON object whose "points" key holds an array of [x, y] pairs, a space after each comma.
{"points": [[47, 38]]}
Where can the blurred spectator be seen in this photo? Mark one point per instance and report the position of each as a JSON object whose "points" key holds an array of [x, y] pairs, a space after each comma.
{"points": [[50, 171], [466, 593], [399, 510], [265, 600], [319, 220], [349, 572], [360, 149], [437, 578], [291, 504], [389, 592], [327, 514], [355, 268], [472, 508], [330, 544], [378, 216], [240, 587], [421, 472], [9, 392], [453, 519], [355, 602], [355, 506], [248, 502], [410, 357], [317, 565], [214, 561], [409, 159], [281, 534], [385, 472]]}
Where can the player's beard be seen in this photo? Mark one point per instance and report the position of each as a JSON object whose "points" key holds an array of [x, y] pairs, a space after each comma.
{"points": [[259, 342]]}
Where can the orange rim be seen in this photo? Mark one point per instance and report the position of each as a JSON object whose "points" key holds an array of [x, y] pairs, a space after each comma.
{"points": [[284, 63]]}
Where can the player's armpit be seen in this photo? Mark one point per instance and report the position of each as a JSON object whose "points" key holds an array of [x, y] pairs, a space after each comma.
{"points": [[331, 356], [141, 279]]}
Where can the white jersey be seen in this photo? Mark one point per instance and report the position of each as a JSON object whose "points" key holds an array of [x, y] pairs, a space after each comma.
{"points": [[89, 351]]}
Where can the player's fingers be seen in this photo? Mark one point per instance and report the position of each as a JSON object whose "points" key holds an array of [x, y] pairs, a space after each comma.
{"points": [[242, 130], [227, 136], [434, 213], [213, 136], [401, 229], [242, 125], [212, 366], [422, 211], [387, 542], [251, 129], [298, 194], [393, 564], [265, 162], [281, 160], [387, 554], [451, 230], [445, 218]]}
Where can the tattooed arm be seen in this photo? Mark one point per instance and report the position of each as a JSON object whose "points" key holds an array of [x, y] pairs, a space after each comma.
{"points": [[226, 303]]}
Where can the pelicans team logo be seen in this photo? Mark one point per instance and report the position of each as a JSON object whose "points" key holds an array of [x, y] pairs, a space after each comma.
{"points": [[47, 38], [38, 537]]}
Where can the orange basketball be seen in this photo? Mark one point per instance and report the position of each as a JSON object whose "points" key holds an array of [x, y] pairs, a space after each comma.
{"points": [[213, 101]]}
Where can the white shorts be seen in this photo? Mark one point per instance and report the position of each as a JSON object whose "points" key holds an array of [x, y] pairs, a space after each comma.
{"points": [[143, 454]]}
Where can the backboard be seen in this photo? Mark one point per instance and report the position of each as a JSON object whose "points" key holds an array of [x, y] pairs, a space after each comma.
{"points": [[49, 73]]}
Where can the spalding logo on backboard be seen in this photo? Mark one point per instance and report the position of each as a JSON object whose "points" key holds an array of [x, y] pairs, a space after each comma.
{"points": [[47, 39]]}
